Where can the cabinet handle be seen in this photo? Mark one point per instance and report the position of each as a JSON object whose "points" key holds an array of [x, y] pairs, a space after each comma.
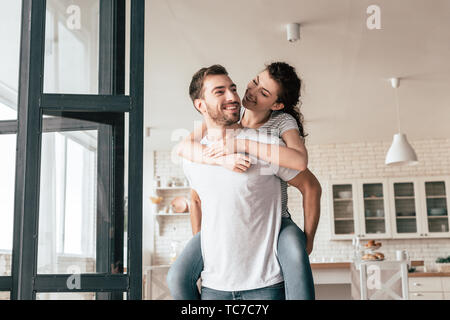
{"points": [[417, 284], [418, 294]]}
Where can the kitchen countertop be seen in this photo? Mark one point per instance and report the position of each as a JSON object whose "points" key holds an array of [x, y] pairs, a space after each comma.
{"points": [[331, 265], [428, 274], [343, 265], [346, 265]]}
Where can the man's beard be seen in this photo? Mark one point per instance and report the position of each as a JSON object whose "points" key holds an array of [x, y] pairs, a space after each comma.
{"points": [[221, 118]]}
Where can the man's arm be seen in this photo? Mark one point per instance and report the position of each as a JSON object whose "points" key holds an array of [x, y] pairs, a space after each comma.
{"points": [[311, 190], [195, 210]]}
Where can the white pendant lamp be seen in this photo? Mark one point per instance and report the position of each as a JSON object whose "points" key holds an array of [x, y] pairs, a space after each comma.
{"points": [[401, 152]]}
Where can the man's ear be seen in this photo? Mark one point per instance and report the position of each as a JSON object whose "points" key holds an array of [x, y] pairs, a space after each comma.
{"points": [[277, 106], [199, 105]]}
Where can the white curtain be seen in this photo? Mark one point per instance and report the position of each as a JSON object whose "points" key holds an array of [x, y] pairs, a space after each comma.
{"points": [[47, 258]]}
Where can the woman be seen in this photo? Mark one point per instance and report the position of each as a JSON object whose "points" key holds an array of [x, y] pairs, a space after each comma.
{"points": [[270, 103]]}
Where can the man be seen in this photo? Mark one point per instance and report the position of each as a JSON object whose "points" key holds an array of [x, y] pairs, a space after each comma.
{"points": [[241, 211]]}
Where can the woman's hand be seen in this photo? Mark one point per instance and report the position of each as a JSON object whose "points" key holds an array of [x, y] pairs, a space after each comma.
{"points": [[222, 148], [309, 244], [236, 162]]}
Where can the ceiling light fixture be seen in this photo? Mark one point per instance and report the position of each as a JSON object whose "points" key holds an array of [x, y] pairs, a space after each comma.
{"points": [[400, 152], [293, 32]]}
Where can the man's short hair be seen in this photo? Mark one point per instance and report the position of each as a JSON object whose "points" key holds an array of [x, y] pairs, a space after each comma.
{"points": [[196, 86]]}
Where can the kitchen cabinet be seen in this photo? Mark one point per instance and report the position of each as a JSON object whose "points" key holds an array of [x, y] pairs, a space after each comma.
{"points": [[374, 204], [405, 208], [429, 288], [344, 208], [446, 284], [435, 206], [425, 296], [420, 207], [360, 208], [385, 208]]}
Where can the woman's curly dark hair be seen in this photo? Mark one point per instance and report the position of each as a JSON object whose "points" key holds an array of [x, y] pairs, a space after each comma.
{"points": [[290, 85]]}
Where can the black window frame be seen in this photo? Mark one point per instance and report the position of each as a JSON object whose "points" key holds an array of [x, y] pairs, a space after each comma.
{"points": [[104, 112]]}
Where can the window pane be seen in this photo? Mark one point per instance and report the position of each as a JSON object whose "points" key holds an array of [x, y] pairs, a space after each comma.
{"points": [[10, 21], [127, 45], [65, 296], [67, 213], [7, 172], [71, 46]]}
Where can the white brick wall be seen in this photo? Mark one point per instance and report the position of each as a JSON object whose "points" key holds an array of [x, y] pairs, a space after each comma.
{"points": [[332, 162]]}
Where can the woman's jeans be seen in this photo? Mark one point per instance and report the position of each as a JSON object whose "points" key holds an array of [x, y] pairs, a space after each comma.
{"points": [[273, 292], [294, 261]]}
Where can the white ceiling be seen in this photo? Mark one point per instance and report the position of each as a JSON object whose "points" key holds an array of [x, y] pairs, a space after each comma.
{"points": [[345, 66]]}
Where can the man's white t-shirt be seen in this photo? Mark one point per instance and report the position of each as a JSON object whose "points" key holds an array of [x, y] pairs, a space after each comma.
{"points": [[241, 217]]}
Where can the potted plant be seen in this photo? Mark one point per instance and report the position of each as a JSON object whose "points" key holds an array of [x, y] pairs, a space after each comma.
{"points": [[443, 264]]}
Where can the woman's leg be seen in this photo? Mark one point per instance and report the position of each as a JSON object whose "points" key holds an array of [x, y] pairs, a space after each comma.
{"points": [[185, 271], [294, 262]]}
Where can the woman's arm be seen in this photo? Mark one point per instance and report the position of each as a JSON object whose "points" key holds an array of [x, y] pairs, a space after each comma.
{"points": [[190, 147], [293, 156], [311, 191]]}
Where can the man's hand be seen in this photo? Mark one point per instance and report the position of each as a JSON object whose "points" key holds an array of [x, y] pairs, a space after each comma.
{"points": [[236, 162]]}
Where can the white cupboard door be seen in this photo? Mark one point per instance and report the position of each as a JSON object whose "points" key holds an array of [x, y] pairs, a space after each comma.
{"points": [[435, 204], [425, 284], [405, 208], [446, 284], [343, 207], [426, 296], [374, 214]]}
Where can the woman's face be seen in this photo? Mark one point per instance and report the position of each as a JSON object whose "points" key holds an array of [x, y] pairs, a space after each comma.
{"points": [[262, 93]]}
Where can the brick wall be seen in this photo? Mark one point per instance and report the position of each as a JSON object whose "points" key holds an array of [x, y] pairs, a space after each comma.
{"points": [[331, 162]]}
